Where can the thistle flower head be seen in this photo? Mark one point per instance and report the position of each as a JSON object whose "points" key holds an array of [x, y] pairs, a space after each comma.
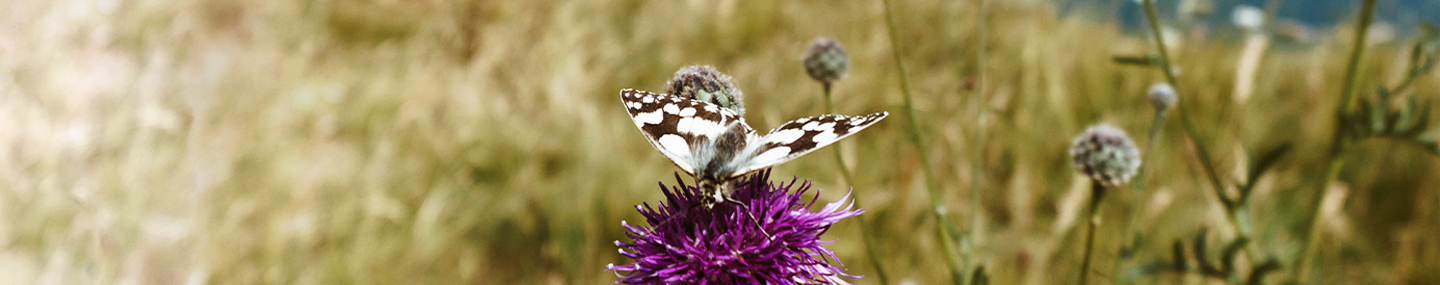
{"points": [[1162, 96], [704, 83], [773, 240], [826, 60], [1106, 154]]}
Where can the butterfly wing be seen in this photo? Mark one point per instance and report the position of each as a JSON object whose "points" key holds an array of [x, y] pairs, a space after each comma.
{"points": [[675, 125], [803, 135]]}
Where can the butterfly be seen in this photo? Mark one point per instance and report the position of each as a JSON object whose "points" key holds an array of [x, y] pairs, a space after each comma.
{"points": [[715, 145]]}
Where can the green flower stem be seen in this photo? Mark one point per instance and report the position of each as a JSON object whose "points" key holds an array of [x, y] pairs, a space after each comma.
{"points": [[943, 222], [977, 148], [1097, 193], [865, 238], [1190, 131], [1139, 190], [1231, 210], [1338, 142]]}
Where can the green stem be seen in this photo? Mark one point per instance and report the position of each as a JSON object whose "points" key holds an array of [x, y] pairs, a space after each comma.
{"points": [[1190, 131], [1097, 192], [977, 148], [943, 222], [865, 238], [1337, 142], [1357, 54], [1139, 190], [1154, 18], [1233, 211]]}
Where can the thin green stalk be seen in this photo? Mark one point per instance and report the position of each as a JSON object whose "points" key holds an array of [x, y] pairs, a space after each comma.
{"points": [[1232, 211], [942, 228], [1357, 54], [1155, 125], [1337, 142], [865, 238], [1190, 131], [1097, 193], [1139, 190], [977, 148]]}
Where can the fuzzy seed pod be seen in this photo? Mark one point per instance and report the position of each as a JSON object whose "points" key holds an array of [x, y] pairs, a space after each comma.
{"points": [[826, 60], [1105, 154], [704, 83], [1162, 96]]}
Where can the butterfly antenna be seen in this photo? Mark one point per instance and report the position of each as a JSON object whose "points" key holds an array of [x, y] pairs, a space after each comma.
{"points": [[651, 229], [746, 208]]}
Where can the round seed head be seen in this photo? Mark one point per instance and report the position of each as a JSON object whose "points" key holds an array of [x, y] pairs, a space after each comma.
{"points": [[1162, 96], [826, 60], [1106, 154], [704, 83]]}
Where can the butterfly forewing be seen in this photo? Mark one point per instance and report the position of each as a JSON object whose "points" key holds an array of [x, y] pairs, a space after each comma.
{"points": [[674, 124], [801, 136]]}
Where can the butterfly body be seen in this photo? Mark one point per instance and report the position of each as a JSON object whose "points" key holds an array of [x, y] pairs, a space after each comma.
{"points": [[715, 145]]}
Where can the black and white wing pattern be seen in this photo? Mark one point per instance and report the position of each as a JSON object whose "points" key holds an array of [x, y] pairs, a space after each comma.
{"points": [[801, 136], [674, 124]]}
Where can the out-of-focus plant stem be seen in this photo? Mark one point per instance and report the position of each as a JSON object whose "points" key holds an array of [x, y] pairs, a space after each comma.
{"points": [[1190, 131], [1337, 142], [942, 220], [865, 237], [1139, 189], [1097, 193], [977, 148], [1232, 211]]}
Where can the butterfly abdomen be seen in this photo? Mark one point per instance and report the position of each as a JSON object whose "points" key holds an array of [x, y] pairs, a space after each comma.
{"points": [[719, 156]]}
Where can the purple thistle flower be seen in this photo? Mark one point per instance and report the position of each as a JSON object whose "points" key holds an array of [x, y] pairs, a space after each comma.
{"points": [[725, 245]]}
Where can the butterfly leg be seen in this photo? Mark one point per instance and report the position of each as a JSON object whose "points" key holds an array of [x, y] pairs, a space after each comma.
{"points": [[746, 208]]}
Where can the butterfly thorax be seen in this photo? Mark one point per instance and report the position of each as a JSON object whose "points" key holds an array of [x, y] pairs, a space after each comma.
{"points": [[719, 159]]}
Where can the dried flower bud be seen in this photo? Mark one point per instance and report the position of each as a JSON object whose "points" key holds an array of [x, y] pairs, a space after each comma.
{"points": [[826, 60], [1162, 96], [1106, 154], [704, 83]]}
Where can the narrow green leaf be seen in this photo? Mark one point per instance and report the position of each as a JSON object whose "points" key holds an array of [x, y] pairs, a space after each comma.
{"points": [[1422, 120], [1257, 275], [1232, 251], [1128, 251], [978, 277], [1177, 253], [1146, 60], [1201, 255], [1406, 115], [1378, 110], [1428, 140], [1260, 164]]}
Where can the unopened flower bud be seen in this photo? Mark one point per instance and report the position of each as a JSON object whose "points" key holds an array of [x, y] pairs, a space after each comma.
{"points": [[1162, 96], [704, 83], [825, 60]]}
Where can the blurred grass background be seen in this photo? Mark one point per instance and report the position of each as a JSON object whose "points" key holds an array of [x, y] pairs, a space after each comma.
{"points": [[442, 142]]}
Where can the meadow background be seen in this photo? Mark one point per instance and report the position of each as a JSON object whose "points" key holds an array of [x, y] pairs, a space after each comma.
{"points": [[483, 142]]}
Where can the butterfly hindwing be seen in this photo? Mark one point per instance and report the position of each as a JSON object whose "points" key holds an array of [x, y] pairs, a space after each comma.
{"points": [[675, 124], [801, 136]]}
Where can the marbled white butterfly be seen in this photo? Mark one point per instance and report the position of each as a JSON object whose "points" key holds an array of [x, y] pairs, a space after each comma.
{"points": [[715, 146]]}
